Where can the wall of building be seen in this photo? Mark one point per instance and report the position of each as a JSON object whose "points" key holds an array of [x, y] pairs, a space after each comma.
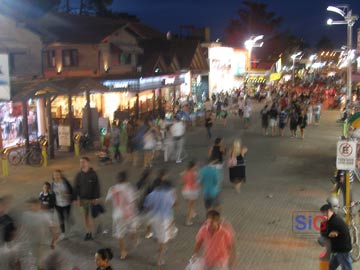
{"points": [[23, 44]]}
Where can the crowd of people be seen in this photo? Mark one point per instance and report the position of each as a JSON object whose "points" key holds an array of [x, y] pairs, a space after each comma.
{"points": [[150, 204]]}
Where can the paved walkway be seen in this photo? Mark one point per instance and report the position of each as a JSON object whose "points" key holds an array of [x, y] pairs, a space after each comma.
{"points": [[284, 175]]}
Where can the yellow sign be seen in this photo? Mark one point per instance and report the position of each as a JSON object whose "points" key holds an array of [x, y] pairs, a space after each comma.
{"points": [[275, 76]]}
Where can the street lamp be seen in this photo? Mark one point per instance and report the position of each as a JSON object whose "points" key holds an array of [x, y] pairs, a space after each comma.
{"points": [[349, 20], [252, 43], [294, 57]]}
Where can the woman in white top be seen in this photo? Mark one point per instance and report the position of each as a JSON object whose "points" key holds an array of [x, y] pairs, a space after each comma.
{"points": [[63, 197]]}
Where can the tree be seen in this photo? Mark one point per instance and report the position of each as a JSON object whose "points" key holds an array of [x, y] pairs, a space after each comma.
{"points": [[255, 19], [324, 43]]}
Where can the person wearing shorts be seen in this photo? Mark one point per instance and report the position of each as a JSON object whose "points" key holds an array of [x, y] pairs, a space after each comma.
{"points": [[273, 114], [123, 196], [190, 190], [87, 189], [159, 205]]}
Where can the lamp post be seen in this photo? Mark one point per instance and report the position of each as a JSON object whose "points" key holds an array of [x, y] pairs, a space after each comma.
{"points": [[294, 57], [349, 20], [252, 43]]}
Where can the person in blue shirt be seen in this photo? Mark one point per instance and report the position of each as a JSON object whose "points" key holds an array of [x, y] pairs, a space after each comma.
{"points": [[159, 205], [209, 180]]}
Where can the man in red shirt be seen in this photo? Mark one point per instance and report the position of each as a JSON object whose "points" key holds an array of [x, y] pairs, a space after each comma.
{"points": [[216, 238]]}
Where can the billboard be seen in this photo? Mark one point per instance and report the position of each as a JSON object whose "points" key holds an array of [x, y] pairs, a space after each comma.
{"points": [[221, 76], [4, 77]]}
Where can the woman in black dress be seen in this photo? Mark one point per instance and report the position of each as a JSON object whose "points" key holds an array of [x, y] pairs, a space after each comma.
{"points": [[216, 153], [237, 165]]}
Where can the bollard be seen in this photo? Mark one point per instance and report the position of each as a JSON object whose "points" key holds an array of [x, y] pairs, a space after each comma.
{"points": [[44, 153], [4, 162], [77, 145], [324, 261]]}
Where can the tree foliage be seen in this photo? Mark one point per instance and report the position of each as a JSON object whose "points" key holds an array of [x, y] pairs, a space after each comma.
{"points": [[324, 43], [254, 19]]}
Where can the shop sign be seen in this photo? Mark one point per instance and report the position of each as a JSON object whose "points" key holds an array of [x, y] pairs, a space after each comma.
{"points": [[275, 76], [4, 77], [169, 81], [64, 135], [346, 155]]}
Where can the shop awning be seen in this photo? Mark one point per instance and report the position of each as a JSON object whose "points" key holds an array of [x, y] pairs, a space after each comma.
{"points": [[77, 85], [32, 89]]}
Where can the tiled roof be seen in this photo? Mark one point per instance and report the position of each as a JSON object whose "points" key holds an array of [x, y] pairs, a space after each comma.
{"points": [[144, 31], [183, 49], [79, 28]]}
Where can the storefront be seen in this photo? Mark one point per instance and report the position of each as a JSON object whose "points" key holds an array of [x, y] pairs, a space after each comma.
{"points": [[11, 119]]}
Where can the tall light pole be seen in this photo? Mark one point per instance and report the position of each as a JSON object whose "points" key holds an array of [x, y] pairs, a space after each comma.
{"points": [[294, 57], [349, 20], [252, 42]]}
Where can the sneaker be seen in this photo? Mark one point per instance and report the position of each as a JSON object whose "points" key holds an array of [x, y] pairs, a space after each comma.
{"points": [[61, 237], [179, 161], [88, 237], [149, 235]]}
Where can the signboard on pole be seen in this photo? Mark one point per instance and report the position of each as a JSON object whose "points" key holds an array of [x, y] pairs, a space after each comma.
{"points": [[4, 77], [64, 135], [346, 155]]}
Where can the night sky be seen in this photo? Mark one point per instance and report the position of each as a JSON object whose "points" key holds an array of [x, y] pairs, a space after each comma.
{"points": [[305, 18]]}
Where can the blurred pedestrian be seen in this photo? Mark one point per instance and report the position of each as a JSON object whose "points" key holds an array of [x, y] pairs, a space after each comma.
{"points": [[63, 197], [87, 193], [237, 165], [247, 113], [282, 121], [216, 153], [209, 179], [102, 259], [37, 223], [208, 124], [216, 239], [190, 190], [294, 120], [115, 141], [273, 115], [178, 132], [302, 123], [159, 204], [123, 196], [265, 119]]}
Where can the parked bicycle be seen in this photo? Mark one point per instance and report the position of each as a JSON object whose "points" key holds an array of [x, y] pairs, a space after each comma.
{"points": [[33, 156]]}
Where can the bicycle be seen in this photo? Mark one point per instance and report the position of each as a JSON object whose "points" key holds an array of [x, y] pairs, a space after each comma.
{"points": [[33, 156], [354, 232]]}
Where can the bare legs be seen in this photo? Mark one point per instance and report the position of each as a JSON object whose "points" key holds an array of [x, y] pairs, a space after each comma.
{"points": [[190, 213]]}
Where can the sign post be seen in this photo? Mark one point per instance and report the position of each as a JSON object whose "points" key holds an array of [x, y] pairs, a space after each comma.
{"points": [[346, 160]]}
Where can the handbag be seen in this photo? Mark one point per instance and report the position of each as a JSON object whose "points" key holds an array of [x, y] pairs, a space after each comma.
{"points": [[96, 210], [195, 263], [232, 161]]}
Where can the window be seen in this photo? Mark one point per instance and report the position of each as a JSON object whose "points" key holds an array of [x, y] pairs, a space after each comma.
{"points": [[70, 58], [125, 58], [51, 59]]}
